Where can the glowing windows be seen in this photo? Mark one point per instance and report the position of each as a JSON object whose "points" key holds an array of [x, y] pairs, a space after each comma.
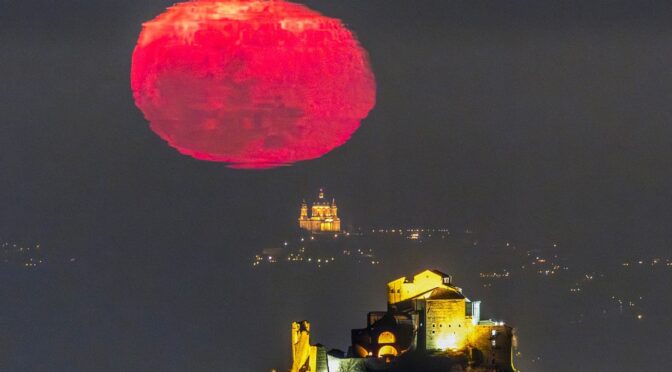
{"points": [[387, 338], [387, 350]]}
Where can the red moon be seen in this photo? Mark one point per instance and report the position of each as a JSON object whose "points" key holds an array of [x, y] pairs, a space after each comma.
{"points": [[255, 84]]}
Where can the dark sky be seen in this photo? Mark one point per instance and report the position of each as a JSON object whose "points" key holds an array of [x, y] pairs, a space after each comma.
{"points": [[536, 119]]}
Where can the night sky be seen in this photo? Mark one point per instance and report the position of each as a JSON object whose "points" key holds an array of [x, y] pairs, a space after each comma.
{"points": [[534, 121]]}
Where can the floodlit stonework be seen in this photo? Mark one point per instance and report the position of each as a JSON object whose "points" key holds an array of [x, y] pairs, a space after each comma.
{"points": [[429, 325], [323, 215]]}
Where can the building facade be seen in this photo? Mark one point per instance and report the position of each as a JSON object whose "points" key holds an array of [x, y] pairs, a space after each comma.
{"points": [[429, 325], [323, 215]]}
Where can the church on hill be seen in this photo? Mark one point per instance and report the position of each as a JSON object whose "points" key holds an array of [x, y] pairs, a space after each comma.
{"points": [[323, 215]]}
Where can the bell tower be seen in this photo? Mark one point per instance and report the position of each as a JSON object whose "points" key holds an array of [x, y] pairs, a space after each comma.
{"points": [[304, 211], [304, 221]]}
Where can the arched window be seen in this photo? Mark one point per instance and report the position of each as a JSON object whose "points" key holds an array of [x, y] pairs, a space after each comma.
{"points": [[387, 350], [361, 351], [386, 338]]}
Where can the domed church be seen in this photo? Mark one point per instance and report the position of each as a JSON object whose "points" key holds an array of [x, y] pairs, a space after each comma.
{"points": [[323, 215]]}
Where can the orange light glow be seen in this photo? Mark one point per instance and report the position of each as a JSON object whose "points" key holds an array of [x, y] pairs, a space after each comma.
{"points": [[448, 342], [387, 350], [386, 338]]}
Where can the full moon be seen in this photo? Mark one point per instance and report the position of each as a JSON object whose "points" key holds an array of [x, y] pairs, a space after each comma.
{"points": [[254, 84]]}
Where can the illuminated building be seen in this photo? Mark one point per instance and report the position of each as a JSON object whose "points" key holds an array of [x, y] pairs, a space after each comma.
{"points": [[323, 215], [429, 325]]}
